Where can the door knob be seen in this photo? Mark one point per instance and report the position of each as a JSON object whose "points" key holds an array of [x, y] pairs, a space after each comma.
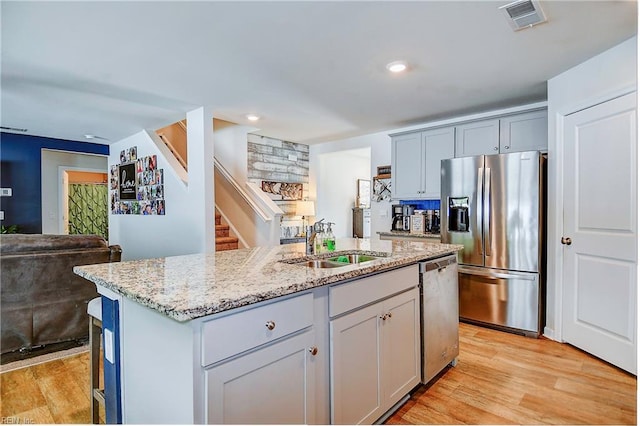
{"points": [[566, 241], [313, 350]]}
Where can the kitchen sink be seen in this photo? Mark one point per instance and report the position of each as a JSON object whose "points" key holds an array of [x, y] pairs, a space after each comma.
{"points": [[324, 263], [353, 258], [334, 261]]}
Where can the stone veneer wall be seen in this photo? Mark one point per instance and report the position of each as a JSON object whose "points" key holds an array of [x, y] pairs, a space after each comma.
{"points": [[276, 160]]}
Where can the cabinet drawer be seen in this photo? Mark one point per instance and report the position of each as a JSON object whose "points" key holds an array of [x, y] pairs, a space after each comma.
{"points": [[352, 295], [236, 333]]}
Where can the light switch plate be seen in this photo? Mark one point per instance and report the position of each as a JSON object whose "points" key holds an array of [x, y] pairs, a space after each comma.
{"points": [[1, 215], [293, 157], [5, 192], [108, 345]]}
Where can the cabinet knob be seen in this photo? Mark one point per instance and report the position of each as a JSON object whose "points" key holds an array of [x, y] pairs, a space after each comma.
{"points": [[495, 148], [507, 147], [313, 350], [389, 315], [383, 317], [270, 325]]}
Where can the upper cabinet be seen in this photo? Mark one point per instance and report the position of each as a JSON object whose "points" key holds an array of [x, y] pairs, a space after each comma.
{"points": [[406, 165], [416, 162], [513, 133], [524, 132], [478, 138], [416, 156]]}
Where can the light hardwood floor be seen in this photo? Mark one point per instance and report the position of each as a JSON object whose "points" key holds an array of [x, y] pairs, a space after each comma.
{"points": [[51, 392], [500, 378]]}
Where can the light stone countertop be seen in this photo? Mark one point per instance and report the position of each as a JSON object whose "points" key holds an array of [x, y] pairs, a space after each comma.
{"points": [[192, 286]]}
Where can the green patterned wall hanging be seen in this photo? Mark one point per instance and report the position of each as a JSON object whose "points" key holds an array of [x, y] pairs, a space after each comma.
{"points": [[88, 209]]}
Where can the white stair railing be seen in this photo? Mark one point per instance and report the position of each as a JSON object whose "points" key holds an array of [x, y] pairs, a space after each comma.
{"points": [[251, 215]]}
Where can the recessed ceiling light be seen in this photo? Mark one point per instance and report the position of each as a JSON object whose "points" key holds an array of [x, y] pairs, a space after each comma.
{"points": [[397, 66], [253, 117]]}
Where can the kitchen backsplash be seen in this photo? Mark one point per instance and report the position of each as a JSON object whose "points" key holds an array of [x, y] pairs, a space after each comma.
{"points": [[423, 204]]}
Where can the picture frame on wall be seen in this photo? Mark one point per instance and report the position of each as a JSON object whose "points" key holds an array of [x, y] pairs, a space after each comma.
{"points": [[127, 184]]}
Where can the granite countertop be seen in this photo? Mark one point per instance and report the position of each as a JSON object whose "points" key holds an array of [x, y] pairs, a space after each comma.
{"points": [[409, 234], [192, 286]]}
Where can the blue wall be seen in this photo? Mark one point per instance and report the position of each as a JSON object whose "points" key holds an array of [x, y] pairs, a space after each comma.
{"points": [[20, 170]]}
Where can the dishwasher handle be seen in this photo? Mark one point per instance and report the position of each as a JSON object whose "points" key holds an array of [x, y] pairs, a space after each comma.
{"points": [[432, 265]]}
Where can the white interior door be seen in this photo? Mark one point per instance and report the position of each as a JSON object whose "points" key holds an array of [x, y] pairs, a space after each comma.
{"points": [[600, 231]]}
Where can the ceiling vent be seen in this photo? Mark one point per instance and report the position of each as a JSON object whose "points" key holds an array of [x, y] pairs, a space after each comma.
{"points": [[523, 14]]}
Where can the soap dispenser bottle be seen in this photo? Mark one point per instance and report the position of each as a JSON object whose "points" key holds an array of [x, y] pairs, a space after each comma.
{"points": [[330, 238]]}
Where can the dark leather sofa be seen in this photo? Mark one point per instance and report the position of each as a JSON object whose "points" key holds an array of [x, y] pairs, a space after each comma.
{"points": [[42, 301]]}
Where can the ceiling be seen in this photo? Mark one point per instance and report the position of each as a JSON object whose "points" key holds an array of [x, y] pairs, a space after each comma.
{"points": [[313, 70]]}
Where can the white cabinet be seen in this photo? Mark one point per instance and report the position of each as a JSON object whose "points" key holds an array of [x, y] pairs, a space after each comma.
{"points": [[375, 349], [274, 384], [524, 132], [416, 162], [261, 364], [478, 138], [513, 133], [406, 165]]}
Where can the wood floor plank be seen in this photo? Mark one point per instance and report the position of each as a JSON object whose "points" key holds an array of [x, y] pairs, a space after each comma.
{"points": [[562, 408], [20, 392], [67, 401], [37, 415], [601, 393]]}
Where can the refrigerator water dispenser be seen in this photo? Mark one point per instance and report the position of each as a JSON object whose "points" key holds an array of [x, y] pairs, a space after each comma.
{"points": [[459, 214]]}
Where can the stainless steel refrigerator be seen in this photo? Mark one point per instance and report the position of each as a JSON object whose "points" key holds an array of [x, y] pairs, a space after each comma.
{"points": [[494, 206]]}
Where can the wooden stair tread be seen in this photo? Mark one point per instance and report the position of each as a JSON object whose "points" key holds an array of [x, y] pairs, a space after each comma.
{"points": [[224, 240]]}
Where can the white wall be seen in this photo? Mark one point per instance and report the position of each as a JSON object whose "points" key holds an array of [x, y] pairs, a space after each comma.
{"points": [[379, 146], [336, 183], [596, 80], [52, 184], [231, 148], [187, 227]]}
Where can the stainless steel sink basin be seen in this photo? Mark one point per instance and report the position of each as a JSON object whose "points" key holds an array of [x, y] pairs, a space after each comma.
{"points": [[323, 263], [335, 261], [353, 258]]}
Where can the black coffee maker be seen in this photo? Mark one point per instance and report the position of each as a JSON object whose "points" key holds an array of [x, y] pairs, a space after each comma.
{"points": [[396, 217]]}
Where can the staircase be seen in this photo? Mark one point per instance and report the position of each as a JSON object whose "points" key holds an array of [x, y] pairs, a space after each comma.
{"points": [[223, 240]]}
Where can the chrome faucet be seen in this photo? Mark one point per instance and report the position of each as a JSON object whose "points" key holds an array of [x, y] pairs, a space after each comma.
{"points": [[310, 236]]}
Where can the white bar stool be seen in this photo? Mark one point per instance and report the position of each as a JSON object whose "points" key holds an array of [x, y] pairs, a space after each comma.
{"points": [[94, 310]]}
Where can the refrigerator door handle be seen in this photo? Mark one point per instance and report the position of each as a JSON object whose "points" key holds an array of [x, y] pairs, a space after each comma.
{"points": [[487, 211], [478, 238], [496, 275]]}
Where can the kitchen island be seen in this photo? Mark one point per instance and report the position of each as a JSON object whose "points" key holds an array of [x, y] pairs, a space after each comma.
{"points": [[256, 336]]}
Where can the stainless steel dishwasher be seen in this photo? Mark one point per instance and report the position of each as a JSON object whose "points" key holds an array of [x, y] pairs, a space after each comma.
{"points": [[439, 314]]}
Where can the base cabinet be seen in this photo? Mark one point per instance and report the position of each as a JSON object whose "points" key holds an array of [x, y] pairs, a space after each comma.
{"points": [[275, 384], [375, 358]]}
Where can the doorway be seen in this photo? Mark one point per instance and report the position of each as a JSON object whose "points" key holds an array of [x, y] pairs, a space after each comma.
{"points": [[337, 186], [600, 234], [85, 203], [55, 182]]}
